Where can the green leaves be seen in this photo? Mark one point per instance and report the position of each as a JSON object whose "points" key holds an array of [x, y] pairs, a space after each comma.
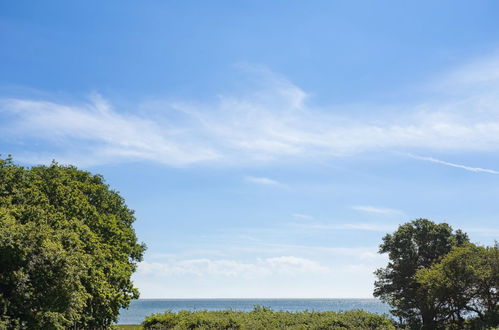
{"points": [[40, 280], [437, 279], [415, 245], [67, 248], [262, 318], [466, 282]]}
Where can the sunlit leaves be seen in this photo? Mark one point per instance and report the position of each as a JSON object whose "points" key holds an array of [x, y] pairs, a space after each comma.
{"points": [[67, 248]]}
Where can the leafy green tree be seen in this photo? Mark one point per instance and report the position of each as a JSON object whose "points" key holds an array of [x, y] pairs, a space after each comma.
{"points": [[466, 283], [40, 281], [413, 246], [67, 248]]}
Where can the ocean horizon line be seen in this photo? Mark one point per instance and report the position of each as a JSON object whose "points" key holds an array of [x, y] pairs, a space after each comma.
{"points": [[140, 308]]}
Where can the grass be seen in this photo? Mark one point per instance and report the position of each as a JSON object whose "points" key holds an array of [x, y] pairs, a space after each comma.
{"points": [[129, 327]]}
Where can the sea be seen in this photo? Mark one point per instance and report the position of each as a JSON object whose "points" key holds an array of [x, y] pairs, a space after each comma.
{"points": [[140, 308]]}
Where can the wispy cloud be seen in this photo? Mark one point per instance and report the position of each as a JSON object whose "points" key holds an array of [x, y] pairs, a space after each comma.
{"points": [[464, 167], [95, 133], [274, 122], [262, 181], [302, 216], [377, 210], [370, 227], [348, 226], [233, 268], [477, 74]]}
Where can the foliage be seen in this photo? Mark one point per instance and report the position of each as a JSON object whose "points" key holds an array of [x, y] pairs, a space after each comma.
{"points": [[466, 283], [67, 248], [415, 245], [262, 318], [128, 327]]}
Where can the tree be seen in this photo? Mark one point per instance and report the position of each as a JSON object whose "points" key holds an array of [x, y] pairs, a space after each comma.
{"points": [[67, 248], [415, 245], [466, 283]]}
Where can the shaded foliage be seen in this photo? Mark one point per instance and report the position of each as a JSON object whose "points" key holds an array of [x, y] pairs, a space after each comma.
{"points": [[262, 318], [67, 248]]}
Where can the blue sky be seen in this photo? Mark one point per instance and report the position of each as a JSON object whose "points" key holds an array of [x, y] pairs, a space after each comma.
{"points": [[266, 146]]}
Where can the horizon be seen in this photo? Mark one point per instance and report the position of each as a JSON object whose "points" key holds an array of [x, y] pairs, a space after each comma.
{"points": [[265, 147], [256, 298]]}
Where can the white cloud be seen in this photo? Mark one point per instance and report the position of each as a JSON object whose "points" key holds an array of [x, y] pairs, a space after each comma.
{"points": [[348, 226], [281, 271], [290, 264], [95, 133], [302, 216], [198, 267], [370, 227], [262, 180], [377, 210], [232, 268], [464, 167], [273, 123]]}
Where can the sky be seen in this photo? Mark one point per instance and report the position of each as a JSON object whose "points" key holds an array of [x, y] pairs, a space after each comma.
{"points": [[265, 146]]}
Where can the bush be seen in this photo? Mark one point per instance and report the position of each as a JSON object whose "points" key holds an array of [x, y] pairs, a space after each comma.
{"points": [[262, 318]]}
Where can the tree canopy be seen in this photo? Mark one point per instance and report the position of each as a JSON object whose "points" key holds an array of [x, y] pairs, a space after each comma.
{"points": [[415, 245], [465, 283], [67, 248]]}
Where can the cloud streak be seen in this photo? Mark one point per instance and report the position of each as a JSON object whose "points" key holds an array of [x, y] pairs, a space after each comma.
{"points": [[274, 122], [348, 226], [95, 133], [464, 167], [377, 210], [262, 181]]}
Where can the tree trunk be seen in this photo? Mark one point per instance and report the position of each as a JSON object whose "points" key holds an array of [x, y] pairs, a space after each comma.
{"points": [[428, 321]]}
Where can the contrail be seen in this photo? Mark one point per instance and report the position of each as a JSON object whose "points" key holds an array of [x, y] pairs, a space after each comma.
{"points": [[464, 167]]}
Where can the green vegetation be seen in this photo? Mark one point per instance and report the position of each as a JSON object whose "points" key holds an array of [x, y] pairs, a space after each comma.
{"points": [[67, 249], [465, 282], [129, 327], [437, 279], [262, 318]]}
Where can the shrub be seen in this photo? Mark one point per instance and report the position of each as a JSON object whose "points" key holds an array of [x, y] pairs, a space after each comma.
{"points": [[263, 318]]}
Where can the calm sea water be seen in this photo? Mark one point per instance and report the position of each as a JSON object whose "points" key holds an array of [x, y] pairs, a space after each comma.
{"points": [[140, 308]]}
